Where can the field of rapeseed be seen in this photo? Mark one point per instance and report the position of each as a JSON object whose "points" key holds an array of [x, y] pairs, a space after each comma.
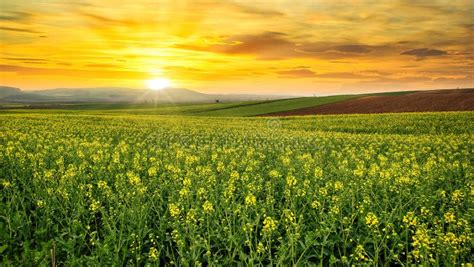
{"points": [[140, 190]]}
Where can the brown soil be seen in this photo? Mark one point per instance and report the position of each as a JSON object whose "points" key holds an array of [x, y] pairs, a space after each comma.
{"points": [[438, 100]]}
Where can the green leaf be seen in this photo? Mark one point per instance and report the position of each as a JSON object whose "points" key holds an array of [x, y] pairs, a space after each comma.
{"points": [[3, 248]]}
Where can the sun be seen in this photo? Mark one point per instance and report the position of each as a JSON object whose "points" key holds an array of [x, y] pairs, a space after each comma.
{"points": [[158, 83]]}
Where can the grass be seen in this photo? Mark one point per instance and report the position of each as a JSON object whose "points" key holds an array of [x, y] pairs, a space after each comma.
{"points": [[237, 109], [392, 93], [274, 106], [125, 108]]}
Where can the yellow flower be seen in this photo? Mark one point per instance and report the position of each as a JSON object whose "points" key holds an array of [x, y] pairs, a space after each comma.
{"points": [[410, 219], [187, 182], [133, 178], [153, 254], [449, 217], [269, 225], [208, 207], [371, 220], [359, 172], [318, 172], [152, 171], [191, 216], [323, 191], [175, 236], [457, 196], [450, 239], [289, 216], [40, 203], [334, 210], [274, 174], [338, 186], [102, 184], [404, 180], [220, 166], [229, 191], [247, 228], [360, 254], [290, 180], [250, 200], [234, 176], [315, 204], [442, 193], [421, 242], [174, 210], [184, 192], [94, 206], [6, 184], [260, 248], [425, 211], [201, 192]]}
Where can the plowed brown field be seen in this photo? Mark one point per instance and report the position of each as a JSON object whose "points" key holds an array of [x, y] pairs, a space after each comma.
{"points": [[437, 100]]}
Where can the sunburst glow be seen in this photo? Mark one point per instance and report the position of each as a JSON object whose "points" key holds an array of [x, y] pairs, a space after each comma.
{"points": [[158, 83]]}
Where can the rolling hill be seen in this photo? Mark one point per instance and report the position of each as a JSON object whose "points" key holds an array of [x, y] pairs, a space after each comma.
{"points": [[9, 91], [420, 101], [273, 106], [186, 102]]}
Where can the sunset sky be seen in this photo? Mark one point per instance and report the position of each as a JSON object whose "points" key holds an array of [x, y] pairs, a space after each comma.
{"points": [[277, 47]]}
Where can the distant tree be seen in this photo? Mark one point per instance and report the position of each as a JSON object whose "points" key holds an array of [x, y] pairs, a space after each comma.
{"points": [[217, 100]]}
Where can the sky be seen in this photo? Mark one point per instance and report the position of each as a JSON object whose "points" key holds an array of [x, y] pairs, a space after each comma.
{"points": [[285, 47]]}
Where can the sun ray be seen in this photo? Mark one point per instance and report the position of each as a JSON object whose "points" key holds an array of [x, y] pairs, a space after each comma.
{"points": [[158, 83]]}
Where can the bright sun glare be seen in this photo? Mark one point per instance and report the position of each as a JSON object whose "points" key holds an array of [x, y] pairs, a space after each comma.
{"points": [[158, 83]]}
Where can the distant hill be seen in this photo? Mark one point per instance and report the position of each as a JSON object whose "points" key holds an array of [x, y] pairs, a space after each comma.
{"points": [[8, 91], [121, 95]]}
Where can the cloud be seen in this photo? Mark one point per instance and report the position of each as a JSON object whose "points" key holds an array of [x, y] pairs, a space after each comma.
{"points": [[424, 52], [466, 79], [277, 45], [16, 16], [12, 68], [256, 44], [304, 72], [341, 75], [357, 49], [469, 27], [182, 69], [26, 59], [297, 73], [91, 74], [265, 46], [398, 80], [103, 65], [255, 10], [18, 30], [374, 73], [106, 20]]}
